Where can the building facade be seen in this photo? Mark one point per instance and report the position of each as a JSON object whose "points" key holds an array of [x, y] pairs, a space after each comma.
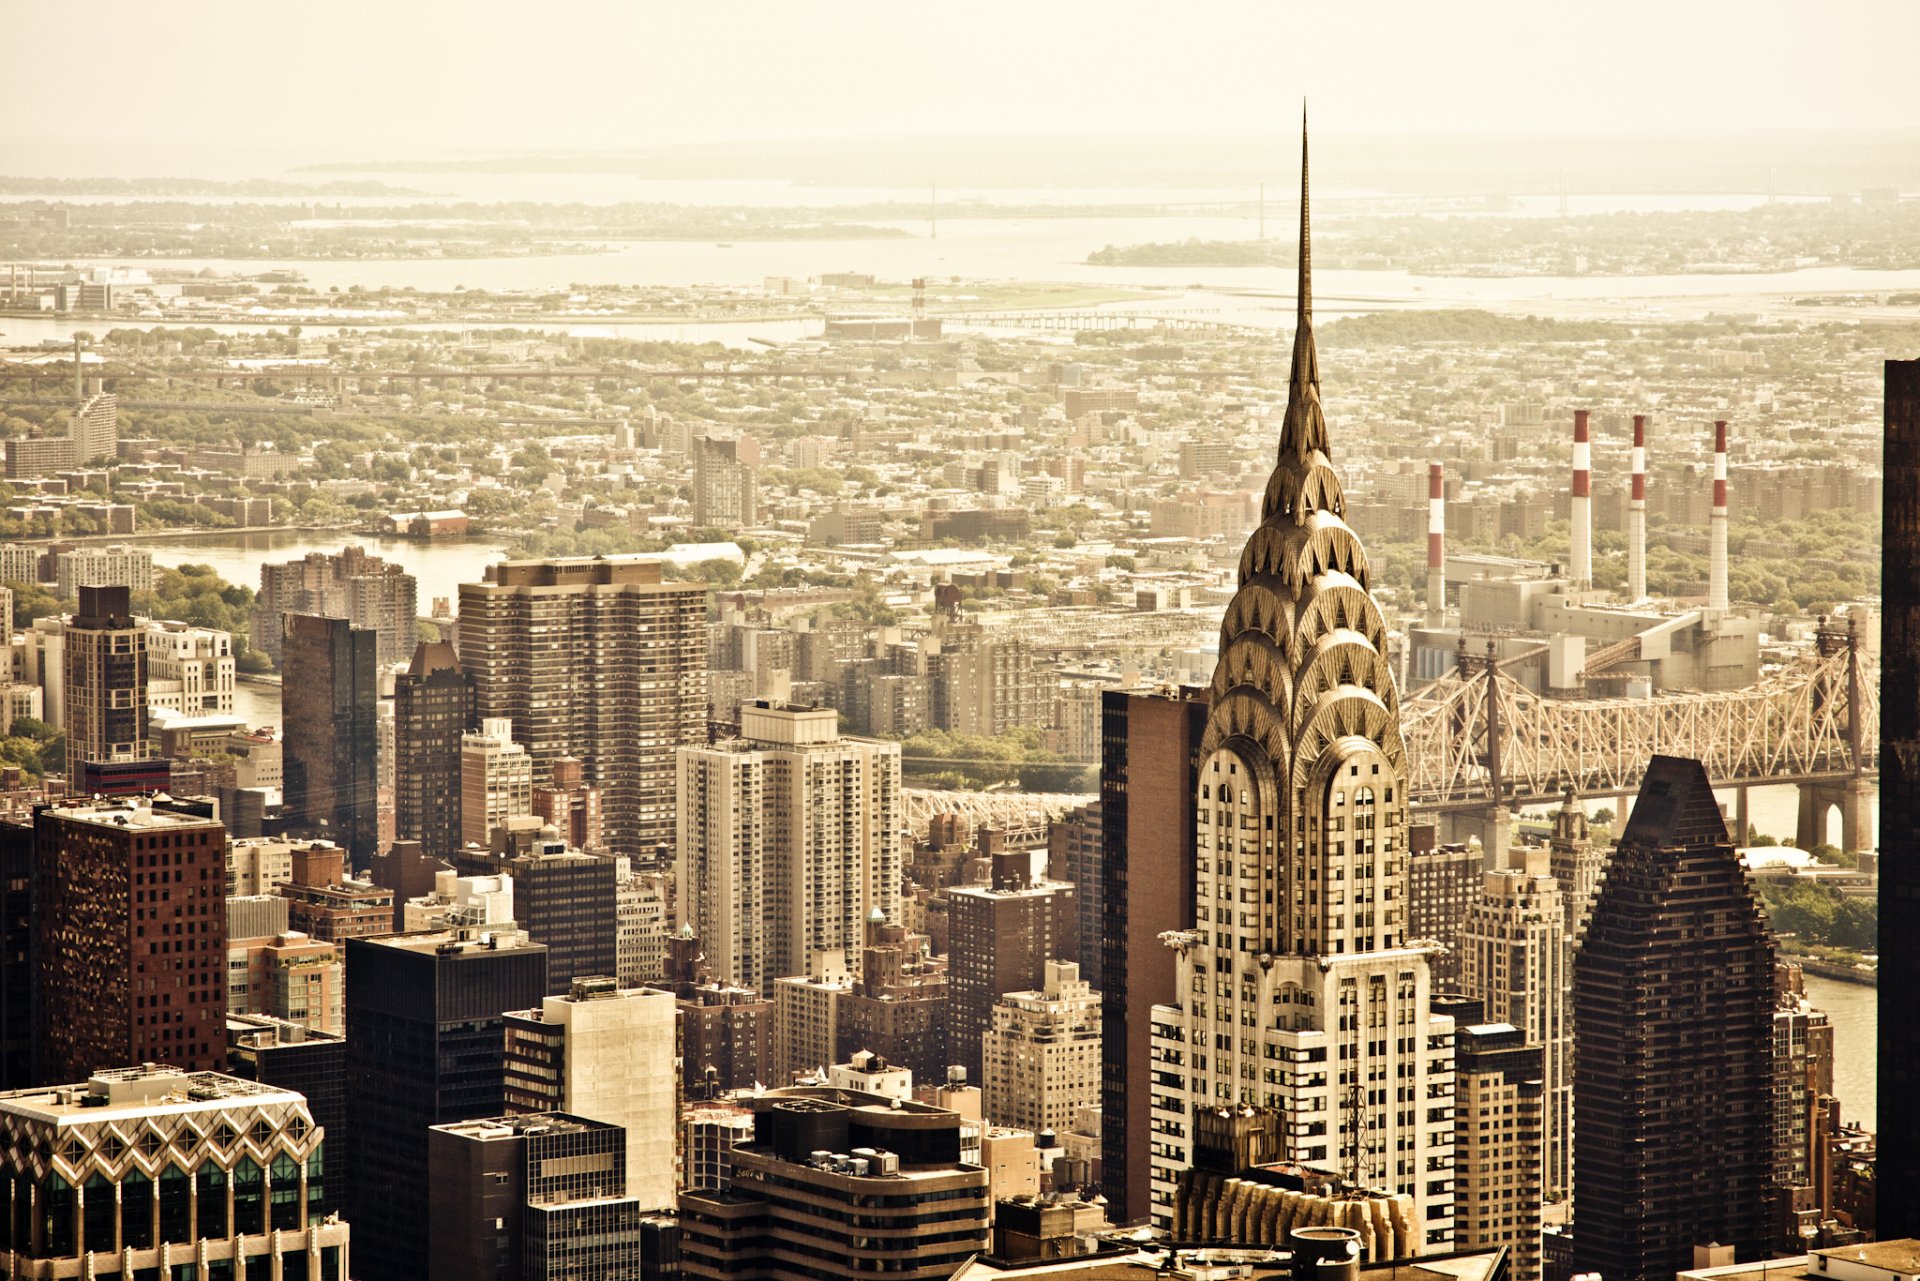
{"points": [[600, 659], [329, 700], [432, 711], [189, 669], [159, 1172], [1041, 1056], [496, 781], [353, 584], [129, 939], [104, 686], [1000, 937], [1499, 1135]]}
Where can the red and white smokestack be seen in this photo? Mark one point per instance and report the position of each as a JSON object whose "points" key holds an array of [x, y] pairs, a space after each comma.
{"points": [[1581, 567], [1436, 544], [1637, 514], [1717, 529]]}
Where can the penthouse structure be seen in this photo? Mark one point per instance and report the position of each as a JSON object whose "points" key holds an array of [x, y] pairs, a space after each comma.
{"points": [[156, 1171], [600, 659]]}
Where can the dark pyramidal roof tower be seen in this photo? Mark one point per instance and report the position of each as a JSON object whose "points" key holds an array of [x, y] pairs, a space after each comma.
{"points": [[1673, 1034]]}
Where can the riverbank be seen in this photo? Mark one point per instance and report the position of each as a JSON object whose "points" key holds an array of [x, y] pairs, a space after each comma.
{"points": [[1836, 970]]}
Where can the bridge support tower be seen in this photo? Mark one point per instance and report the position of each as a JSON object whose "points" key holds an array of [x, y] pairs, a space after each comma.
{"points": [[1853, 797]]}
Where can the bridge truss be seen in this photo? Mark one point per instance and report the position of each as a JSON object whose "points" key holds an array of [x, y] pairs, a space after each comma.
{"points": [[1477, 733]]}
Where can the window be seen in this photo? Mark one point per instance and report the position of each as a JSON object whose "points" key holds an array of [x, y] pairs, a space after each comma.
{"points": [[213, 1204], [316, 1182], [136, 1211], [56, 1217], [100, 1212], [176, 1205]]}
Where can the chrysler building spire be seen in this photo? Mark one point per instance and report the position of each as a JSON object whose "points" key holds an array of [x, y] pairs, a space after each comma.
{"points": [[1305, 429]]}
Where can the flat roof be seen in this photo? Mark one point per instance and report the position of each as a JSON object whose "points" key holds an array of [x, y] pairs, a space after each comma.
{"points": [[152, 1088]]}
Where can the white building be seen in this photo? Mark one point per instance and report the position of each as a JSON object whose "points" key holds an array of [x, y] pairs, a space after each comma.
{"points": [[1041, 1057], [461, 900], [119, 565], [189, 669], [608, 1054], [640, 904], [496, 780], [789, 839]]}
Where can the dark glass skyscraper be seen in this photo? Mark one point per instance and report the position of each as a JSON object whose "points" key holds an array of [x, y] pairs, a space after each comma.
{"points": [[328, 701], [1673, 1037], [426, 1045], [1898, 1171], [432, 709]]}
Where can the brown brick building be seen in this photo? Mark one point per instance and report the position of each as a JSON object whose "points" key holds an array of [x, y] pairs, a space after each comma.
{"points": [[1000, 937], [130, 939]]}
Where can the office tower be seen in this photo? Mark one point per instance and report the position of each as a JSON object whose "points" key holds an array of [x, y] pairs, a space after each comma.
{"points": [[896, 1006], [1147, 788], [425, 1014], [598, 659], [1075, 850], [1499, 1132], [789, 840], [838, 1183], [531, 1198], [1298, 954], [608, 1053], [189, 669], [1041, 1055], [120, 565], [353, 584], [567, 900], [163, 1172], [496, 780], [105, 685], [324, 903], [129, 939], [1443, 883], [432, 711], [1000, 937], [1575, 863], [571, 806], [16, 954], [1673, 1043], [723, 482], [329, 694], [1515, 962], [1898, 1094], [309, 1062]]}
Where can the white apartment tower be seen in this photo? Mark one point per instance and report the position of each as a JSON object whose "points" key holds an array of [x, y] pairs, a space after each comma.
{"points": [[1041, 1058], [789, 838], [496, 780], [1299, 992]]}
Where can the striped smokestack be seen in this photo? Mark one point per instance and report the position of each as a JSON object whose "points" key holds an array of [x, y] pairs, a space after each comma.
{"points": [[1581, 566], [1436, 544], [1717, 528], [1637, 514]]}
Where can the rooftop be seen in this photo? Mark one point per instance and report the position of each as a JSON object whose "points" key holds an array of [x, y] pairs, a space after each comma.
{"points": [[135, 1091]]}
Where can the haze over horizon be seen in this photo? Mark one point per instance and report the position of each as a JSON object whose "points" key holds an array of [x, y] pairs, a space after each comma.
{"points": [[356, 85]]}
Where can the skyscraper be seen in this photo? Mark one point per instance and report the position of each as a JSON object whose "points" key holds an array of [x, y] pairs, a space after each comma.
{"points": [[1299, 997], [1514, 959], [1576, 864], [329, 700], [129, 939], [432, 709], [1898, 1173], [1499, 1135], [1000, 937], [600, 659], [425, 1046], [496, 781], [723, 482], [352, 584], [789, 841], [105, 683], [1041, 1056], [1673, 1038], [1147, 788]]}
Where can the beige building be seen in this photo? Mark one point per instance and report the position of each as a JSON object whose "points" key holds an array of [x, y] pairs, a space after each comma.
{"points": [[496, 780], [1041, 1056], [640, 906], [1499, 1132], [1515, 961], [806, 1021], [288, 976], [789, 840], [601, 659], [189, 669], [608, 1054], [120, 565]]}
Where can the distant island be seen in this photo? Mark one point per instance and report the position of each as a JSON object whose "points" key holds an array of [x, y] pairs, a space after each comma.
{"points": [[1197, 253], [138, 188]]}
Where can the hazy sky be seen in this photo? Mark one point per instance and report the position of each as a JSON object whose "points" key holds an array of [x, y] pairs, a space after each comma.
{"points": [[361, 78]]}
